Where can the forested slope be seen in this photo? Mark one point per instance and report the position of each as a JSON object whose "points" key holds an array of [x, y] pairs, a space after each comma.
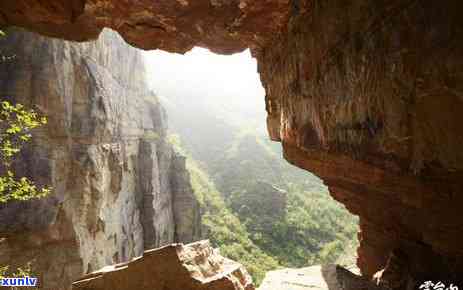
{"points": [[257, 208]]}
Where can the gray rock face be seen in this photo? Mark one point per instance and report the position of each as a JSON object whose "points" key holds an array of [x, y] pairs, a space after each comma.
{"points": [[118, 186]]}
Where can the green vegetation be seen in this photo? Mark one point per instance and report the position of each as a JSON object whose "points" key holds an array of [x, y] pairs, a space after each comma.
{"points": [[221, 226], [20, 272], [298, 224], [311, 228], [16, 123], [265, 228], [25, 271], [249, 191], [307, 228]]}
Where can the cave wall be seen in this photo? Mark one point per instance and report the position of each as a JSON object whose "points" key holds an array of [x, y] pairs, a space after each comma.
{"points": [[369, 96], [365, 94], [118, 187]]}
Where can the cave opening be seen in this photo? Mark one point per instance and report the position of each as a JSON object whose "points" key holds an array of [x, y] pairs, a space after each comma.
{"points": [[365, 94], [119, 190], [258, 209]]}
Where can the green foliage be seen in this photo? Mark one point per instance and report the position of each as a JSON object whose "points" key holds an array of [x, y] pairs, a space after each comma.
{"points": [[20, 272], [220, 225], [301, 230], [19, 189], [306, 227], [313, 230], [16, 124], [225, 230], [24, 271]]}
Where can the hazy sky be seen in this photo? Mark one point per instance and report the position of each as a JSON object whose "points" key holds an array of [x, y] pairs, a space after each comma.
{"points": [[229, 81]]}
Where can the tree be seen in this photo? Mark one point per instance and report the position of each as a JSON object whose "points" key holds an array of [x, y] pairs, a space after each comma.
{"points": [[16, 123]]}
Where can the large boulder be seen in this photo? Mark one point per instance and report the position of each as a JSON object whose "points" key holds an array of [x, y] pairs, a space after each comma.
{"points": [[196, 266]]}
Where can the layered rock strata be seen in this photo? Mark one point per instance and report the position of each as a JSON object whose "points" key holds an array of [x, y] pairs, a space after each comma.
{"points": [[195, 266], [118, 187], [365, 94]]}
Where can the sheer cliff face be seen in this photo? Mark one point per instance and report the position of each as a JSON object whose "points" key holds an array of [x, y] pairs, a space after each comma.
{"points": [[365, 94], [118, 187]]}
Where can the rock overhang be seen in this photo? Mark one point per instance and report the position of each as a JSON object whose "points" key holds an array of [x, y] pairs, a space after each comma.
{"points": [[223, 26]]}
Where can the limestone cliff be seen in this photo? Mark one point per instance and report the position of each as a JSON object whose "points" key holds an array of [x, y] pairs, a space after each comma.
{"points": [[118, 186]]}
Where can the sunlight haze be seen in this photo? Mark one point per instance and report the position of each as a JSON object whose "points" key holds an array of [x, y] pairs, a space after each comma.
{"points": [[229, 84]]}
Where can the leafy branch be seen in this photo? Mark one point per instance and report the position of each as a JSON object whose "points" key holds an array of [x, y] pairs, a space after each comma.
{"points": [[16, 124]]}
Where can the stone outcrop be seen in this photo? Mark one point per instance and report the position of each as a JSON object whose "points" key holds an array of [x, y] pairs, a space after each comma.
{"points": [[195, 266], [365, 94], [118, 186], [326, 277]]}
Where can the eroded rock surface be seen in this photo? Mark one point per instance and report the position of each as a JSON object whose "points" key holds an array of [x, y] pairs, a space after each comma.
{"points": [[365, 94], [195, 266], [118, 187]]}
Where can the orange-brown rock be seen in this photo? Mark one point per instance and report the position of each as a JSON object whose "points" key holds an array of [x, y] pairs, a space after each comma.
{"points": [[368, 95], [196, 266], [174, 25]]}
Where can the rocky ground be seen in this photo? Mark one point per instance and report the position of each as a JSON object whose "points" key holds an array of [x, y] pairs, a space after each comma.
{"points": [[326, 277]]}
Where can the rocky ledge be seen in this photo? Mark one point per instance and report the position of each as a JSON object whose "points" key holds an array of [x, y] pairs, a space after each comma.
{"points": [[196, 266]]}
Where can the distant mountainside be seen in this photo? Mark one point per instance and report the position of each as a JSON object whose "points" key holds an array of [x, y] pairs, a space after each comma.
{"points": [[287, 212]]}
